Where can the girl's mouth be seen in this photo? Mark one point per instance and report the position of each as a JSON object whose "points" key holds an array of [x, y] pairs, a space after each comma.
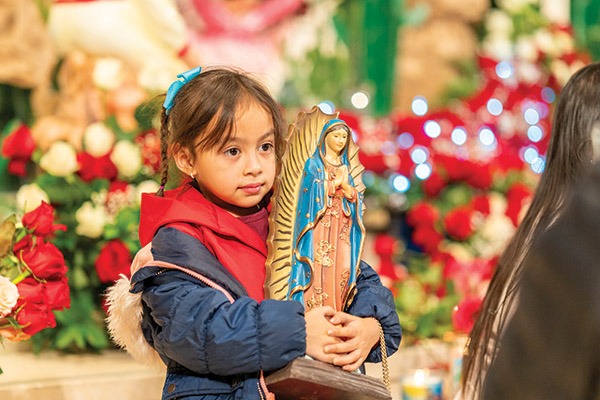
{"points": [[252, 188]]}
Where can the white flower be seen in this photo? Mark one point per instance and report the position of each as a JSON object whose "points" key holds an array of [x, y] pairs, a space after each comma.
{"points": [[497, 203], [526, 49], [108, 73], [157, 78], [127, 158], [91, 220], [98, 140], [544, 41], [498, 23], [30, 196], [561, 71], [563, 43], [60, 159], [528, 72], [498, 47], [148, 186], [493, 235], [8, 296]]}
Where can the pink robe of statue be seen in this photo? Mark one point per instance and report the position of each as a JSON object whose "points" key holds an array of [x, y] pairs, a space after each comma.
{"points": [[331, 267]]}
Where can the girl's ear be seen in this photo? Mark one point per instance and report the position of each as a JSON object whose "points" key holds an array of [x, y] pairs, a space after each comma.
{"points": [[183, 159]]}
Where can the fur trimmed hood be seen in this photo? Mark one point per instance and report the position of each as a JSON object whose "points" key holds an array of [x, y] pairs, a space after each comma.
{"points": [[125, 316]]}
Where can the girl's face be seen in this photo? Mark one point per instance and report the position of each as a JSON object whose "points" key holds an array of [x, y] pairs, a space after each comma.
{"points": [[336, 140], [238, 175]]}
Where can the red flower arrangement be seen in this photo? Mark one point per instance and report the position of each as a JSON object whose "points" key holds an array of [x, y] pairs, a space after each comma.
{"points": [[33, 280], [18, 148]]}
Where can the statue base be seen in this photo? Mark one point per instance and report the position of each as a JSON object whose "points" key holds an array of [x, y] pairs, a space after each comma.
{"points": [[305, 378]]}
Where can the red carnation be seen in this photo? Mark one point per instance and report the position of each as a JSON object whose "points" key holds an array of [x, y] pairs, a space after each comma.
{"points": [[480, 177], [41, 220], [457, 170], [458, 223], [18, 148], [427, 238], [516, 197], [373, 162], [481, 204], [96, 167], [422, 214], [114, 259], [433, 185], [465, 313]]}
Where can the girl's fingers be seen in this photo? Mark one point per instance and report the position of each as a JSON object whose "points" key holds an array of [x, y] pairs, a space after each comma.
{"points": [[344, 332], [349, 361], [339, 348]]}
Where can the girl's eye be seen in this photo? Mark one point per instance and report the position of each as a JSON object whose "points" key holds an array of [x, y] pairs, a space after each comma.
{"points": [[232, 152], [266, 146]]}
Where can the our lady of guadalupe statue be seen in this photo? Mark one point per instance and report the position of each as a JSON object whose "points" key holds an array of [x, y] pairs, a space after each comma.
{"points": [[316, 230]]}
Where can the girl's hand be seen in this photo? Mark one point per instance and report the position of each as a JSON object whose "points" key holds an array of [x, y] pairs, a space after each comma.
{"points": [[358, 336], [317, 326]]}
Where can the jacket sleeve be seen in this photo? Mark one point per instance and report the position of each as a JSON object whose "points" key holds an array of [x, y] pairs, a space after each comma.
{"points": [[199, 328], [372, 299]]}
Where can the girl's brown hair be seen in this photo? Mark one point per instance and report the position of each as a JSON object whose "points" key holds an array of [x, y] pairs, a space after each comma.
{"points": [[206, 108], [569, 155]]}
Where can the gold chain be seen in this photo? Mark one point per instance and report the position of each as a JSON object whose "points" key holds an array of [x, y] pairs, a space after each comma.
{"points": [[260, 393], [385, 369]]}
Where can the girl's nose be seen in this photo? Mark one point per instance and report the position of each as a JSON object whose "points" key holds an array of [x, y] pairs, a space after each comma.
{"points": [[253, 166]]}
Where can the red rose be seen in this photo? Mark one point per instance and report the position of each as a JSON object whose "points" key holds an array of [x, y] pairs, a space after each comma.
{"points": [[458, 223], [481, 204], [24, 244], [57, 294], [373, 162], [427, 238], [465, 313], [45, 261], [34, 317], [41, 220], [117, 186], [422, 214], [96, 167], [18, 147], [480, 177], [457, 170], [114, 259], [17, 167], [516, 197], [433, 185], [34, 314]]}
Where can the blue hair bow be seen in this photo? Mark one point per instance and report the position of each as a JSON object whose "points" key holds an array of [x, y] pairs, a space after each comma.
{"points": [[182, 79]]}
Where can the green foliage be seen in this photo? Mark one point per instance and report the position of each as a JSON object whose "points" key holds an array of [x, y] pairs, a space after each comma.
{"points": [[79, 329]]}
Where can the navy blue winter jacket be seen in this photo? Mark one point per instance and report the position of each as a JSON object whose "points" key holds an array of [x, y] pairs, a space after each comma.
{"points": [[215, 349]]}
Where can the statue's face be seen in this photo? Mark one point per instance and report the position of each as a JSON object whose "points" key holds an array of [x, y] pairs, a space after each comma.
{"points": [[336, 140]]}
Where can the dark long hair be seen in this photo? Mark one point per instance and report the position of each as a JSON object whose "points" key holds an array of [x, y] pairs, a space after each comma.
{"points": [[569, 155]]}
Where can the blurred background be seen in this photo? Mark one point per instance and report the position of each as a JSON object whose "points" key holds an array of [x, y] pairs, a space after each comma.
{"points": [[450, 102]]}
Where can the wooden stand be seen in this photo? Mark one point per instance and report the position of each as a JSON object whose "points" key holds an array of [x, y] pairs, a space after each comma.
{"points": [[309, 379]]}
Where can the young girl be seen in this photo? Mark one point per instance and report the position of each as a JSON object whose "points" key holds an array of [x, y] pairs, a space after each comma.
{"points": [[217, 334], [572, 147]]}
